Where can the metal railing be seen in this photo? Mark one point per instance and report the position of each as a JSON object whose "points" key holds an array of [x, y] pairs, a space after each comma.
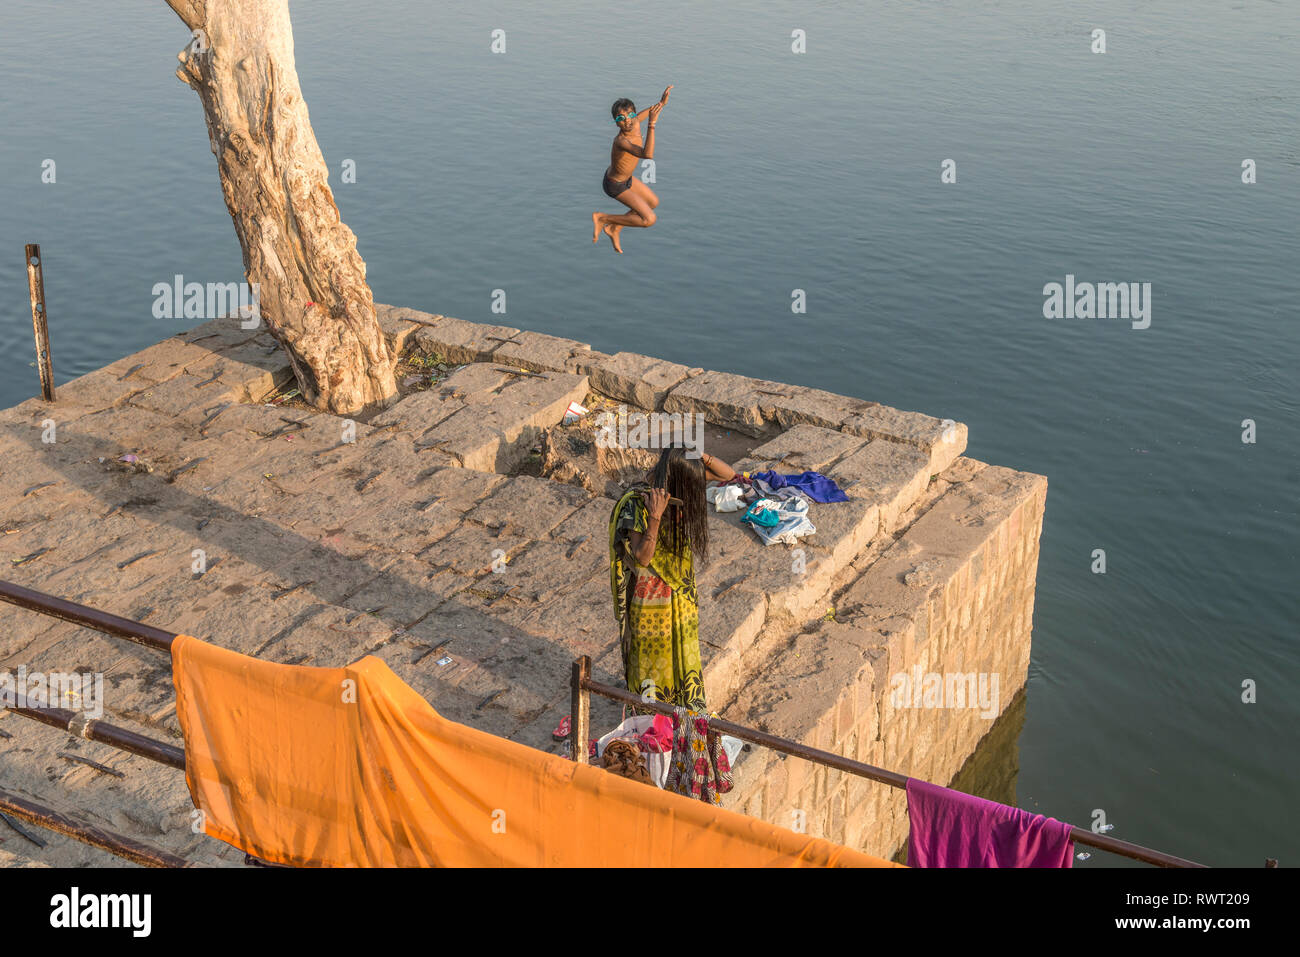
{"points": [[582, 686]]}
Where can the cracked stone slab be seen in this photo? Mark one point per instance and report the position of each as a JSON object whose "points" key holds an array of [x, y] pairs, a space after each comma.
{"points": [[100, 389], [408, 590], [411, 518], [471, 549], [640, 380], [498, 667], [218, 334], [459, 341], [727, 400], [251, 369], [942, 439], [798, 404], [419, 411], [162, 361], [496, 435], [396, 326], [528, 508], [539, 352], [545, 568], [328, 636], [803, 447], [477, 384], [890, 474], [186, 396]]}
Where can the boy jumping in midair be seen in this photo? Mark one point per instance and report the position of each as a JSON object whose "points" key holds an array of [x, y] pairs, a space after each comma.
{"points": [[618, 182]]}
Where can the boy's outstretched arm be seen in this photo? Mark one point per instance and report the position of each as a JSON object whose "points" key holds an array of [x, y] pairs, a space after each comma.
{"points": [[662, 100]]}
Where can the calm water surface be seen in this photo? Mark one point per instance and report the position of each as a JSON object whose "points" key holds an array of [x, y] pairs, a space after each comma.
{"points": [[818, 172]]}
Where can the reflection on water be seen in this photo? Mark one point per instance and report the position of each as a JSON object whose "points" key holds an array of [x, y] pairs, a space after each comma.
{"points": [[991, 771]]}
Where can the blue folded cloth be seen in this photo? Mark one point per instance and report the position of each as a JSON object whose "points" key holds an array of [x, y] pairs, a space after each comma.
{"points": [[816, 486], [793, 523], [763, 512]]}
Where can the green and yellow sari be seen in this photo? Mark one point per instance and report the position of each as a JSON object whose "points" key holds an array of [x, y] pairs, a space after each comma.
{"points": [[657, 609]]}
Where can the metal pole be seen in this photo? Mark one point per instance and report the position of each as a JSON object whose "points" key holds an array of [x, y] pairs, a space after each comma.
{"points": [[92, 730], [40, 320], [123, 847], [580, 710], [86, 616], [892, 778]]}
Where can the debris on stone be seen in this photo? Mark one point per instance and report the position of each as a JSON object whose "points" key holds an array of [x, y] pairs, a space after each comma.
{"points": [[920, 576]]}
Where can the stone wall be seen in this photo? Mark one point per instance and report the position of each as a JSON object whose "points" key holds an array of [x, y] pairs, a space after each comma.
{"points": [[954, 594]]}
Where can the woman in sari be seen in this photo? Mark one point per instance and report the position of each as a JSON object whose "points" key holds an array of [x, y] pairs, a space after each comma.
{"points": [[653, 547]]}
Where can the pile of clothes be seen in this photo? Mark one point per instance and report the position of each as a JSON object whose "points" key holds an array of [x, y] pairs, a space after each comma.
{"points": [[676, 754], [776, 506]]}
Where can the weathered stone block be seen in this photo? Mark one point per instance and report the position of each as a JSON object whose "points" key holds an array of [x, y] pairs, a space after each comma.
{"points": [[182, 394], [727, 400], [397, 326], [941, 439], [844, 529], [419, 412], [528, 507], [890, 474], [251, 370], [802, 448], [797, 404], [496, 435], [541, 353], [459, 341], [218, 334], [640, 380], [100, 389]]}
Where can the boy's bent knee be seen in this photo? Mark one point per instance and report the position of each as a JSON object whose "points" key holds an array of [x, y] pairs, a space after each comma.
{"points": [[649, 218]]}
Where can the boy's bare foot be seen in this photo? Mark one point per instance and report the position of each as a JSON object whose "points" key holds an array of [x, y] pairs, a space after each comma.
{"points": [[595, 226], [612, 231]]}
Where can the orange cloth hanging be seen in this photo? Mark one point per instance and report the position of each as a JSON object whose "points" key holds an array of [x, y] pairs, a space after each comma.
{"points": [[341, 767]]}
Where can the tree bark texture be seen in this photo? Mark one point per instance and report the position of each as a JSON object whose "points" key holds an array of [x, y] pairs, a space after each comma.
{"points": [[312, 287]]}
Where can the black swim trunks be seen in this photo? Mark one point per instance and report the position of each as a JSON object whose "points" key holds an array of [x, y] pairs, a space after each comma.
{"points": [[612, 188]]}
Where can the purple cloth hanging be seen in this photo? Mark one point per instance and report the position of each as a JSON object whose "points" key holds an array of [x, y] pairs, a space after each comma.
{"points": [[952, 829], [816, 486]]}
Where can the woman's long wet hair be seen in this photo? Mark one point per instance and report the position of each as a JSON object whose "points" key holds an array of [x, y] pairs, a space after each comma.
{"points": [[684, 478]]}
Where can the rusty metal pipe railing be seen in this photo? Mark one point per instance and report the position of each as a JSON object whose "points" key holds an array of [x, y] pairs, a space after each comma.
{"points": [[93, 729], [86, 616], [116, 844], [582, 684]]}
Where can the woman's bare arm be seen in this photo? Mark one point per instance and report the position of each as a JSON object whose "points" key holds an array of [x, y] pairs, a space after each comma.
{"points": [[715, 468], [642, 544]]}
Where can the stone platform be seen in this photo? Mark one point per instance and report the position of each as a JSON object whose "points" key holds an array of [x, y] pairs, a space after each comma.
{"points": [[305, 538]]}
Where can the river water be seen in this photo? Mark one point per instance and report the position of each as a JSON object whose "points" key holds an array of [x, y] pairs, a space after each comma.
{"points": [[819, 171]]}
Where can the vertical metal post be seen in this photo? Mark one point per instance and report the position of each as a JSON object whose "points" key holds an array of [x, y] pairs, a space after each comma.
{"points": [[580, 710], [40, 320]]}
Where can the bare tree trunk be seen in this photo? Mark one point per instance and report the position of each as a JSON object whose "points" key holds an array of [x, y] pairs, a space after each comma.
{"points": [[311, 281]]}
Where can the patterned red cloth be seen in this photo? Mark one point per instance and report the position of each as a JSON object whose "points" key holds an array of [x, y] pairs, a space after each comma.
{"points": [[700, 768]]}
